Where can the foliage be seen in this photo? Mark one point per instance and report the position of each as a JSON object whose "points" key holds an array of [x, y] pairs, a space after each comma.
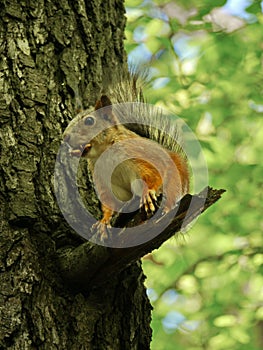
{"points": [[206, 66]]}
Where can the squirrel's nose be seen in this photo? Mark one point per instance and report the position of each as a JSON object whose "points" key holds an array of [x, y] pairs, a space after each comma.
{"points": [[66, 137]]}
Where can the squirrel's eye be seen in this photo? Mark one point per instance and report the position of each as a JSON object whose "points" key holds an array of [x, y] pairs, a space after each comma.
{"points": [[89, 121]]}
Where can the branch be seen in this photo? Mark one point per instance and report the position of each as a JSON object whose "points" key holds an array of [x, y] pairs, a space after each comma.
{"points": [[89, 266]]}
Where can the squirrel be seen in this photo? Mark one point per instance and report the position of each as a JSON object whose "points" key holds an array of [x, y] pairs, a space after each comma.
{"points": [[146, 161]]}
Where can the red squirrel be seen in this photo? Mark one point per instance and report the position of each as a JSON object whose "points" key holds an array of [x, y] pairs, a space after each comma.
{"points": [[141, 167]]}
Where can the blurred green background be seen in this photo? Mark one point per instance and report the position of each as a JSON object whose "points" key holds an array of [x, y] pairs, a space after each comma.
{"points": [[207, 67]]}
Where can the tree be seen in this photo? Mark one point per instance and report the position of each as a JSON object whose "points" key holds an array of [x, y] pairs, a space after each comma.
{"points": [[54, 55]]}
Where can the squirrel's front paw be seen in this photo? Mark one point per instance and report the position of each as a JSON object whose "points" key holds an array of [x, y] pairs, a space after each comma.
{"points": [[149, 201], [101, 230]]}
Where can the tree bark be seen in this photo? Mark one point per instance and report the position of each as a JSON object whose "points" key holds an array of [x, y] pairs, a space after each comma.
{"points": [[56, 56]]}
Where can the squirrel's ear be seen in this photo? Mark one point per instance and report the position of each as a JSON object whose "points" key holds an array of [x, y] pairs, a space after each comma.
{"points": [[104, 101], [106, 113]]}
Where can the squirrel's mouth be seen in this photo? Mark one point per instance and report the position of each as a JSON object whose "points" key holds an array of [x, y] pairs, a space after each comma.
{"points": [[82, 151]]}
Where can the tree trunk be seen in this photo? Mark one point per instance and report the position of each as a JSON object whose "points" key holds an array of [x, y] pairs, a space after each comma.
{"points": [[55, 54]]}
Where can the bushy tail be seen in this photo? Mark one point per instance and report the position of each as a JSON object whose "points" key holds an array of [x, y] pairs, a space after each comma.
{"points": [[145, 119]]}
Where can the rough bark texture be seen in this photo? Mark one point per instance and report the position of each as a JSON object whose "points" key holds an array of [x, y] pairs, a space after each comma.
{"points": [[55, 54]]}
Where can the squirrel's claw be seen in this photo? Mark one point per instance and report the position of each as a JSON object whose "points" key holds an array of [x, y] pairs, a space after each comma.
{"points": [[101, 230], [149, 201]]}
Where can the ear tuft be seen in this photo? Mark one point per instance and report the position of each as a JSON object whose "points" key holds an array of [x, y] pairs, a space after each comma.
{"points": [[104, 101], [106, 112]]}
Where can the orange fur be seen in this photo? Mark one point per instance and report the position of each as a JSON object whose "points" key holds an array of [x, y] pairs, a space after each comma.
{"points": [[162, 171]]}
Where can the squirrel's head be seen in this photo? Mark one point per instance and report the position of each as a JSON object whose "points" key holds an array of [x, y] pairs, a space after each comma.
{"points": [[87, 134]]}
